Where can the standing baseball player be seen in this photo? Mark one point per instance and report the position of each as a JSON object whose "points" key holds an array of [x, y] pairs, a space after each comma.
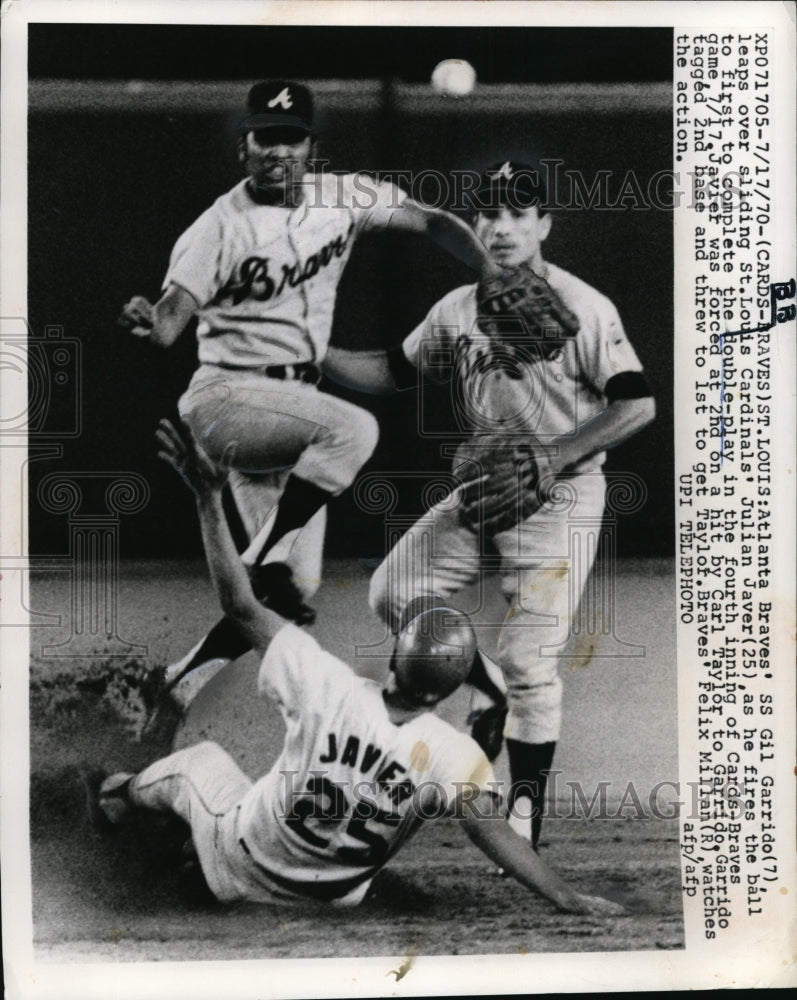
{"points": [[361, 767], [260, 269], [544, 401]]}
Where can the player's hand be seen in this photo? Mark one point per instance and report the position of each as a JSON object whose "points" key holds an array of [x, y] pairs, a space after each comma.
{"points": [[597, 906], [187, 456], [137, 316], [490, 269]]}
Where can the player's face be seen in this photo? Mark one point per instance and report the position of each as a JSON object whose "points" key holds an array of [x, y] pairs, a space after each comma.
{"points": [[276, 158], [513, 235]]}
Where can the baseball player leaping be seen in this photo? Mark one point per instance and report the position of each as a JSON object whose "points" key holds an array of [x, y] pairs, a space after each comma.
{"points": [[361, 767], [260, 270], [575, 398]]}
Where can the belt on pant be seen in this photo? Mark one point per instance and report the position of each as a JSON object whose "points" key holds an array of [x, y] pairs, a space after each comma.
{"points": [[304, 371]]}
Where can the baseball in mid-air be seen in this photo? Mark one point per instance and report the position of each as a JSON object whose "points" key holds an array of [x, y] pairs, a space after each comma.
{"points": [[454, 77]]}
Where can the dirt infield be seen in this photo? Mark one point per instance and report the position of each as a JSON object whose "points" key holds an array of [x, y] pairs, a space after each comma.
{"points": [[132, 896]]}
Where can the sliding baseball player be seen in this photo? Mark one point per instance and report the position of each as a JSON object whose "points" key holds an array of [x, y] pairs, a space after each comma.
{"points": [[362, 767]]}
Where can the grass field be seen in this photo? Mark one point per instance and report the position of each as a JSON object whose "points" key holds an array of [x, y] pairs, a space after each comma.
{"points": [[130, 897]]}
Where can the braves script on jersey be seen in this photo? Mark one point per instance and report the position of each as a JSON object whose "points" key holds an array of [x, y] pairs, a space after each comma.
{"points": [[524, 389], [265, 276], [350, 786]]}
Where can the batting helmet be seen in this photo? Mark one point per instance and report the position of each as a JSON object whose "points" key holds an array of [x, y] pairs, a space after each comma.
{"points": [[433, 653]]}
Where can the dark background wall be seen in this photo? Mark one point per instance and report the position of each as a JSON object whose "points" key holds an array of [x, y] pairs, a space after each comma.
{"points": [[200, 52], [114, 179]]}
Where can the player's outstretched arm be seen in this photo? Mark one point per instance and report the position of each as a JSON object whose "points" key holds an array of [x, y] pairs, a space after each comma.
{"points": [[491, 832], [446, 230], [619, 421], [363, 371], [163, 322], [184, 453]]}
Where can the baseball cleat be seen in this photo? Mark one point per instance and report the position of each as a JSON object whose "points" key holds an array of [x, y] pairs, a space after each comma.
{"points": [[274, 586], [187, 686], [175, 671], [177, 689], [114, 797], [107, 800], [166, 714]]}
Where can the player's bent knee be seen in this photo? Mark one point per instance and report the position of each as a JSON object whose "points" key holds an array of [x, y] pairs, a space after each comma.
{"points": [[363, 432], [346, 442]]}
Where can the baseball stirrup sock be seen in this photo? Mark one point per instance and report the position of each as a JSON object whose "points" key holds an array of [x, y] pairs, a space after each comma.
{"points": [[299, 501], [529, 764]]}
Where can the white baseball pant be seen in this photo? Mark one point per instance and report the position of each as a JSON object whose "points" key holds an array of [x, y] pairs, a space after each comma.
{"points": [[544, 565], [203, 785], [279, 427]]}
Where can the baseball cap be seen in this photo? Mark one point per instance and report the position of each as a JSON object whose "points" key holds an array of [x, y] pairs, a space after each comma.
{"points": [[518, 185], [278, 103]]}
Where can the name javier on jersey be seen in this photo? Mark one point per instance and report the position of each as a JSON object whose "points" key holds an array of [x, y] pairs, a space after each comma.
{"points": [[386, 777]]}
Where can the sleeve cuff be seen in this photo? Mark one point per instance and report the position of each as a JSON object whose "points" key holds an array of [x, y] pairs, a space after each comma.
{"points": [[627, 385]]}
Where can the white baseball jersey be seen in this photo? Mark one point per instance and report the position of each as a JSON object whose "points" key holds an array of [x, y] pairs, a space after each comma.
{"points": [[350, 786], [547, 396], [265, 276]]}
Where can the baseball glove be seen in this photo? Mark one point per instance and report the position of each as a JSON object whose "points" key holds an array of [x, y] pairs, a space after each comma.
{"points": [[504, 480], [520, 308]]}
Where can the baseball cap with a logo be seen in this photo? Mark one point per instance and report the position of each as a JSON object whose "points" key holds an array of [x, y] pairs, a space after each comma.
{"points": [[279, 103], [518, 185]]}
